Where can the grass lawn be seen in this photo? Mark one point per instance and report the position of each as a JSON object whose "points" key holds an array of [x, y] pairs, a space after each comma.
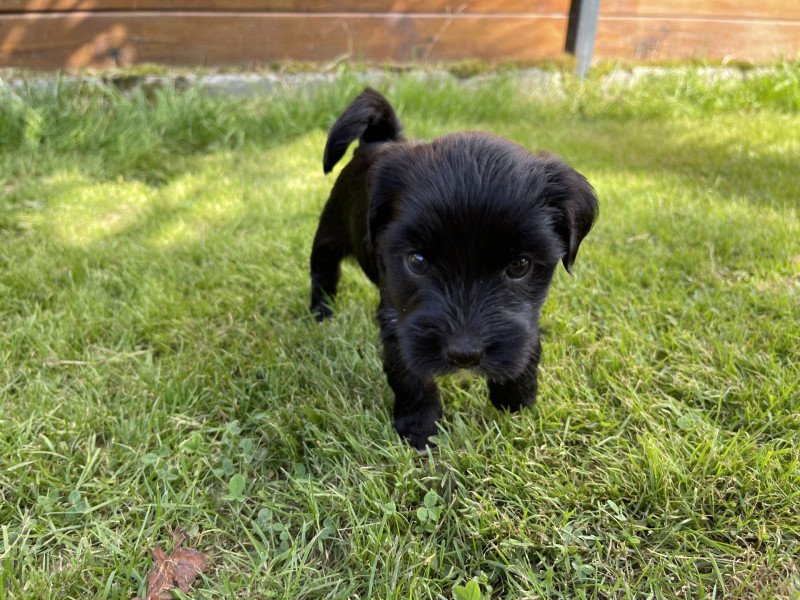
{"points": [[158, 366]]}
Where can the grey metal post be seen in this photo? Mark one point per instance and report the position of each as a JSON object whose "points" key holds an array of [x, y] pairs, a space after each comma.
{"points": [[586, 31]]}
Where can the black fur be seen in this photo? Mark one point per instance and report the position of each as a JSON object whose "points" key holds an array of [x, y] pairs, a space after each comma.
{"points": [[470, 204]]}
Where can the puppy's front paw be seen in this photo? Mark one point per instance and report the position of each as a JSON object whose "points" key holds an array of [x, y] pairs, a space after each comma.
{"points": [[417, 429], [520, 392], [510, 398], [321, 312]]}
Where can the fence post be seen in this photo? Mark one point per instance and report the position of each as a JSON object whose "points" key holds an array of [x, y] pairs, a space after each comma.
{"points": [[581, 33]]}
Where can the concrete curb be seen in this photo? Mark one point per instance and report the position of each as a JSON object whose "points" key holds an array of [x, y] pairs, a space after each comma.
{"points": [[533, 81]]}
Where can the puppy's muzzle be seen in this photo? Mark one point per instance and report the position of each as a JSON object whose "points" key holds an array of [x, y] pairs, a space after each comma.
{"points": [[465, 352]]}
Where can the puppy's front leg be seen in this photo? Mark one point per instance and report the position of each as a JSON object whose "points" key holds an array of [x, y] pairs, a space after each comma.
{"points": [[521, 391], [416, 405]]}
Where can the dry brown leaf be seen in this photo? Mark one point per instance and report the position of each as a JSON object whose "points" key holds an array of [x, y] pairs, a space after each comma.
{"points": [[176, 570], [188, 565]]}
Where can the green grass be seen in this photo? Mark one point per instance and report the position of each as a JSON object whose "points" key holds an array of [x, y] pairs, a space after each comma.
{"points": [[155, 343]]}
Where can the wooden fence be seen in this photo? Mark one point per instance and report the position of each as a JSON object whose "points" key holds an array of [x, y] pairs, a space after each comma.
{"points": [[757, 30], [46, 34]]}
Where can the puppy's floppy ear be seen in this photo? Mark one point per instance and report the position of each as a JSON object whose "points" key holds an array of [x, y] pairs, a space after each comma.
{"points": [[385, 184], [575, 204]]}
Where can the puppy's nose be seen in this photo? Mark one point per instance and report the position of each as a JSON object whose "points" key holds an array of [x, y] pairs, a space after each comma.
{"points": [[465, 352]]}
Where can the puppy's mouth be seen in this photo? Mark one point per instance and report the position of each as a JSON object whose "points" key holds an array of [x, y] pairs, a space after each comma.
{"points": [[499, 349], [498, 369], [498, 362], [459, 372], [464, 353]]}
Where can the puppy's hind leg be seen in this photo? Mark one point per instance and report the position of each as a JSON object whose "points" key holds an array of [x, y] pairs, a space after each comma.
{"points": [[329, 248], [514, 394]]}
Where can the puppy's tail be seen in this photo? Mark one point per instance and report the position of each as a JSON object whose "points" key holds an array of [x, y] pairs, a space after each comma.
{"points": [[369, 118]]}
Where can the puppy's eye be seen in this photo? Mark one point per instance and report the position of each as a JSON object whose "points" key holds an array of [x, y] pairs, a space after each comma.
{"points": [[416, 263], [518, 267]]}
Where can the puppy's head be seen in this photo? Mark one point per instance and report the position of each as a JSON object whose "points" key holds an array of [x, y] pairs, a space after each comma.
{"points": [[468, 231]]}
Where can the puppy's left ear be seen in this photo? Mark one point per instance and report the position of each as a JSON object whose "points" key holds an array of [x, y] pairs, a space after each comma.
{"points": [[575, 204]]}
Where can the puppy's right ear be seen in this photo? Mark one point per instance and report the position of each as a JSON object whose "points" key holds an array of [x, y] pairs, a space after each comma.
{"points": [[385, 184], [369, 118]]}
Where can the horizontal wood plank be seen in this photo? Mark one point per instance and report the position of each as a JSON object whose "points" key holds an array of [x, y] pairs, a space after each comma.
{"points": [[734, 9], [660, 39], [103, 39], [763, 9], [363, 6]]}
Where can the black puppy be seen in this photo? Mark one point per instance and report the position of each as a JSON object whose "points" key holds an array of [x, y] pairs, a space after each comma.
{"points": [[462, 235]]}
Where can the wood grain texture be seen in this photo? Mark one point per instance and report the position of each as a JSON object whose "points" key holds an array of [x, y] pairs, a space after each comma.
{"points": [[758, 9], [761, 9], [364, 6], [660, 39], [102, 39]]}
